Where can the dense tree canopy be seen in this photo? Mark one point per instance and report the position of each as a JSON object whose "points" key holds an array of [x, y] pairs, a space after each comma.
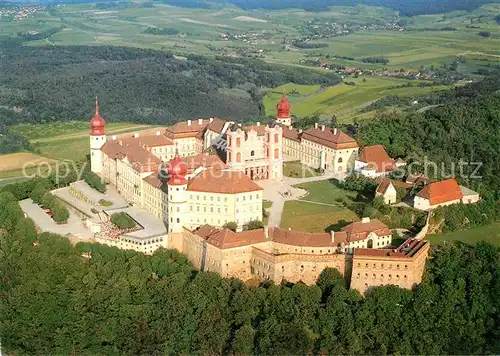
{"points": [[45, 84], [93, 299]]}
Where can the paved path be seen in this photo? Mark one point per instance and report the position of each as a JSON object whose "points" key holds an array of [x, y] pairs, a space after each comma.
{"points": [[280, 192], [73, 227]]}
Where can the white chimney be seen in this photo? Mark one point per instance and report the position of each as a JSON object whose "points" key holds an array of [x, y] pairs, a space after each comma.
{"points": [[120, 142], [322, 127], [136, 135], [200, 121], [290, 127], [300, 131], [335, 131], [365, 220], [289, 229], [258, 123], [211, 119], [113, 137], [158, 133], [332, 236], [266, 232], [315, 125], [189, 122]]}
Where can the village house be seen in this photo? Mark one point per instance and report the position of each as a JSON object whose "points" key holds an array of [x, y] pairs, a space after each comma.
{"points": [[443, 193]]}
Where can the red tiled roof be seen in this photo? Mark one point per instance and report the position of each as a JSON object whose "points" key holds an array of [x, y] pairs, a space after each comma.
{"points": [[291, 133], [225, 238], [216, 125], [378, 157], [383, 186], [183, 130], [360, 230], [204, 160], [141, 159], [222, 182], [407, 249], [441, 192], [329, 138], [298, 238], [154, 180]]}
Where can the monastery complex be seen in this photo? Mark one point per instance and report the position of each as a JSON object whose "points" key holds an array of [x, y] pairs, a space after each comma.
{"points": [[182, 184]]}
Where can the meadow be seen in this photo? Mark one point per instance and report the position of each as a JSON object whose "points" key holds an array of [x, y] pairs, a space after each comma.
{"points": [[488, 233]]}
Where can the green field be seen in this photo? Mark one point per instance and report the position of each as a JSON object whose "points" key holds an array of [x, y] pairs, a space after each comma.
{"points": [[343, 100], [319, 211], [489, 233], [298, 170], [304, 216], [268, 36]]}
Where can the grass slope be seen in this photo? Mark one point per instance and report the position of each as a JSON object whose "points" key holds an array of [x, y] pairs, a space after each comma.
{"points": [[489, 233]]}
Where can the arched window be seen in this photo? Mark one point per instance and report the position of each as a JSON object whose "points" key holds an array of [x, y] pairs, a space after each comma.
{"points": [[276, 153], [275, 138], [340, 160], [238, 142], [252, 153], [229, 156], [229, 141], [238, 157]]}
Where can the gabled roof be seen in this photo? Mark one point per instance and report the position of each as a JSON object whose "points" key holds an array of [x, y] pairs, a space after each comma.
{"points": [[141, 159], [291, 133], [222, 182], [299, 238], [184, 129], [377, 157], [204, 160], [332, 138], [217, 125], [441, 192], [225, 238], [359, 230], [384, 185]]}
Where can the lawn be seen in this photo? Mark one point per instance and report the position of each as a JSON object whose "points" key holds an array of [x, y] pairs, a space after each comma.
{"points": [[304, 216], [318, 211], [298, 170], [489, 233], [326, 192]]}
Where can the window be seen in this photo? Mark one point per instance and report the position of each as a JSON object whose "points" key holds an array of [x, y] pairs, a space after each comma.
{"points": [[276, 138], [252, 153], [238, 142], [238, 157], [276, 153]]}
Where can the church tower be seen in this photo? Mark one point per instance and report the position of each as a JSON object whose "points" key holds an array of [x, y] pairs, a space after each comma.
{"points": [[177, 186], [283, 108], [97, 139], [274, 148], [235, 143]]}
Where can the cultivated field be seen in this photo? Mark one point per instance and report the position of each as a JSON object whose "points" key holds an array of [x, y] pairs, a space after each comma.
{"points": [[343, 100], [267, 35], [54, 142], [18, 160]]}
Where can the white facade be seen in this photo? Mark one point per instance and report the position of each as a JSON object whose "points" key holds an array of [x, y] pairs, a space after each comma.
{"points": [[96, 142]]}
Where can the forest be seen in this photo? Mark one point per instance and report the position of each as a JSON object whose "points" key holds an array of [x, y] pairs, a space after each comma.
{"points": [[461, 124], [48, 84], [92, 299]]}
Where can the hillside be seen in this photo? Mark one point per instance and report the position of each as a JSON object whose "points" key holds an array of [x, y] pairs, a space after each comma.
{"points": [[45, 84], [406, 8]]}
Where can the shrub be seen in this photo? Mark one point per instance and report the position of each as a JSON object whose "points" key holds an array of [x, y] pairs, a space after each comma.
{"points": [[94, 181], [61, 213], [104, 202], [38, 193], [231, 225], [122, 220], [255, 225]]}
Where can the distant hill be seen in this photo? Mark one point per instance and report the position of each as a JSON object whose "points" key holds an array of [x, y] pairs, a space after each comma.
{"points": [[405, 7]]}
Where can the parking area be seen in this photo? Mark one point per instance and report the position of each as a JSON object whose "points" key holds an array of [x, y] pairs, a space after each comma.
{"points": [[74, 226]]}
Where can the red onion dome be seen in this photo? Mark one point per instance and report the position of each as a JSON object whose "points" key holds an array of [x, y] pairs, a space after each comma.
{"points": [[97, 123], [283, 107], [177, 170]]}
